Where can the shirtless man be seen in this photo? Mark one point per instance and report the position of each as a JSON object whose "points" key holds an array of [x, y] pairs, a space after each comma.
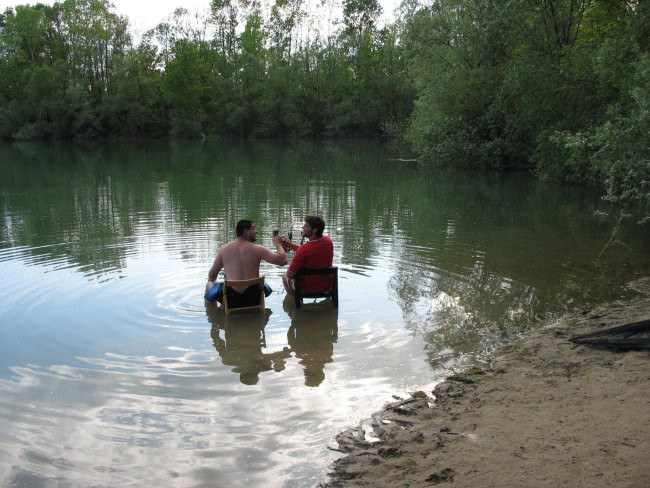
{"points": [[240, 259]]}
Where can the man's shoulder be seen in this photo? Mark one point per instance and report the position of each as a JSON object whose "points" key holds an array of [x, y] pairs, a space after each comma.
{"points": [[326, 242], [232, 244], [256, 249], [227, 245], [315, 246], [240, 244]]}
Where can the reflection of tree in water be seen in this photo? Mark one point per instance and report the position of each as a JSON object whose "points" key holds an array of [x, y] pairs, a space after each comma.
{"points": [[459, 315], [100, 202], [483, 260], [242, 343], [311, 338], [472, 288]]}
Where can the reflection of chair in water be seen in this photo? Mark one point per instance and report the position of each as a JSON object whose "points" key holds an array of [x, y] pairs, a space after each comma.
{"points": [[330, 288], [243, 295], [311, 338], [241, 343]]}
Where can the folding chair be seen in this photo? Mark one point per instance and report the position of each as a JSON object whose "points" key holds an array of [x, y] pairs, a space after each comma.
{"points": [[332, 292], [243, 295]]}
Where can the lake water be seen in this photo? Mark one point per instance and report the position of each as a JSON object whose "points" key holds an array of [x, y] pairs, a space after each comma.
{"points": [[113, 372]]}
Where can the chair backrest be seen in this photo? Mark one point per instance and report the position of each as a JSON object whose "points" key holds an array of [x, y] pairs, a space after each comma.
{"points": [[243, 295], [332, 291]]}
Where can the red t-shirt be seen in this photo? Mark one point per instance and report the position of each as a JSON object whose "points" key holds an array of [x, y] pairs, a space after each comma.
{"points": [[313, 254]]}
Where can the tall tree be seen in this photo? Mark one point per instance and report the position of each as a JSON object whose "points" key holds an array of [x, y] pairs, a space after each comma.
{"points": [[136, 106], [225, 17], [95, 35], [24, 32], [360, 16], [186, 86], [284, 20]]}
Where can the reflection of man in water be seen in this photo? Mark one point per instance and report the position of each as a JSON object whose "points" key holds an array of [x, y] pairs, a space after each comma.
{"points": [[240, 260], [311, 338], [242, 344]]}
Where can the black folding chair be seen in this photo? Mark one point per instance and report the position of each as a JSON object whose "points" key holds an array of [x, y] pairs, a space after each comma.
{"points": [[332, 292]]}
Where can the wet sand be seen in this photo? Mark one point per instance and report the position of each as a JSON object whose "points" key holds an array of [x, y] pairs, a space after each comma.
{"points": [[545, 413]]}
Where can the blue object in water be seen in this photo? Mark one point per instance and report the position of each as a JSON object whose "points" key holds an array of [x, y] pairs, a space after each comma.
{"points": [[212, 293], [215, 291]]}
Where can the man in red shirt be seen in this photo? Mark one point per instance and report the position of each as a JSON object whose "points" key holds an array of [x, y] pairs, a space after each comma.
{"points": [[317, 252]]}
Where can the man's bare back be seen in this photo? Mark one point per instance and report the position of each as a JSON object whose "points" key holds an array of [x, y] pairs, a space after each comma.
{"points": [[240, 259]]}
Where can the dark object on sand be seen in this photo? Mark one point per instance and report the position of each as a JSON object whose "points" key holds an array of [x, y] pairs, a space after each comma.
{"points": [[630, 336]]}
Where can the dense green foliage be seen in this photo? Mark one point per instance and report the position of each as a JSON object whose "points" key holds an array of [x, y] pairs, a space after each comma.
{"points": [[560, 87], [71, 71]]}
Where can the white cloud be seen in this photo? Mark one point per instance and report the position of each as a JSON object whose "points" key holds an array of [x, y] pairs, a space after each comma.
{"points": [[142, 14], [146, 14]]}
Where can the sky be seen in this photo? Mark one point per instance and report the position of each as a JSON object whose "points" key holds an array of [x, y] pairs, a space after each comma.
{"points": [[146, 14]]}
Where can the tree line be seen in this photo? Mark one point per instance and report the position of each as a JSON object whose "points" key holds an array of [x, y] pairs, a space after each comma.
{"points": [[71, 70], [560, 87]]}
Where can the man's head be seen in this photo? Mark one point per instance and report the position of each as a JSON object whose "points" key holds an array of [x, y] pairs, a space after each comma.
{"points": [[247, 230], [314, 226]]}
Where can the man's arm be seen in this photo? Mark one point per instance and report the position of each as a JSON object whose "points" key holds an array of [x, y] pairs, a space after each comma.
{"points": [[289, 244], [216, 267], [278, 257], [297, 264]]}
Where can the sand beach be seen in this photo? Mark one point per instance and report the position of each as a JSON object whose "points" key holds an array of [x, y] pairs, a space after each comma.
{"points": [[543, 412]]}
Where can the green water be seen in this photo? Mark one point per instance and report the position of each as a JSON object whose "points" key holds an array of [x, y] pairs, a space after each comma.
{"points": [[114, 372]]}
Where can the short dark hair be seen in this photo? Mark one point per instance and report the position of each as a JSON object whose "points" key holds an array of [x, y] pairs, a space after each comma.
{"points": [[242, 225], [316, 222]]}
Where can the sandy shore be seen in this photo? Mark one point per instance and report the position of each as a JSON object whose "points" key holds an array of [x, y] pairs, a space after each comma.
{"points": [[546, 413]]}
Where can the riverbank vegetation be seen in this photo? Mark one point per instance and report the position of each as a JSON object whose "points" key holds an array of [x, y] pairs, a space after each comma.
{"points": [[559, 87]]}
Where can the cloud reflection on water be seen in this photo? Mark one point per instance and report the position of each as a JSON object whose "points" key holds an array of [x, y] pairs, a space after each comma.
{"points": [[142, 420]]}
